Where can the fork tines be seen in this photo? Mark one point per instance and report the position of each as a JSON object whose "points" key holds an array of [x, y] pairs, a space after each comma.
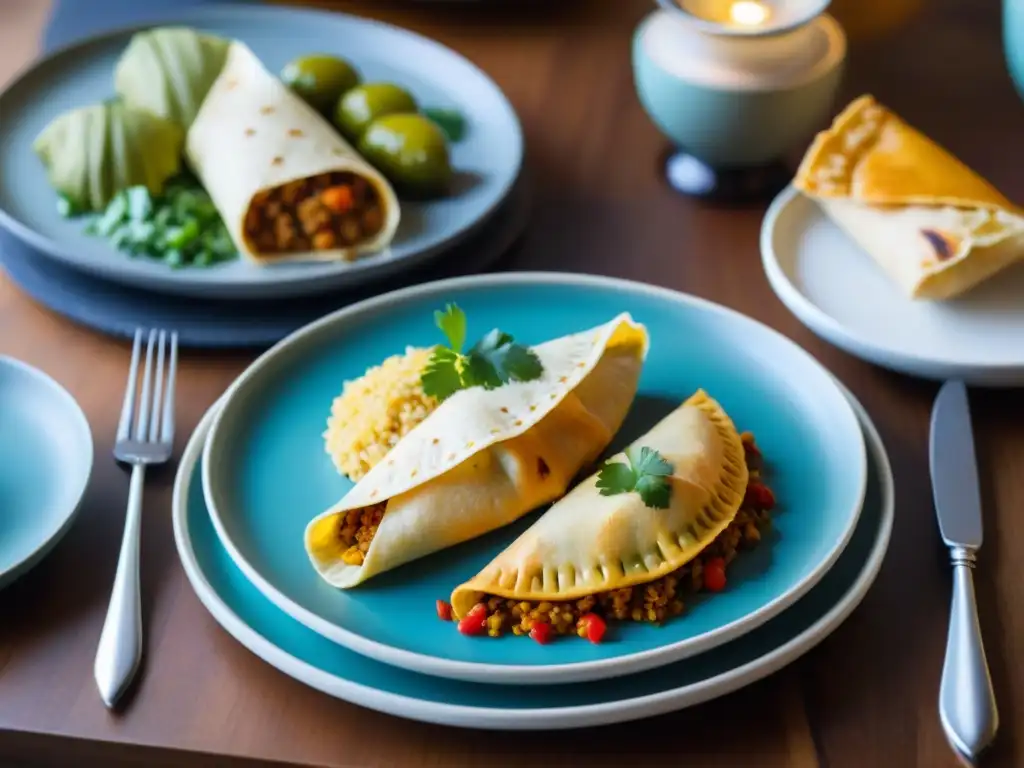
{"points": [[155, 407]]}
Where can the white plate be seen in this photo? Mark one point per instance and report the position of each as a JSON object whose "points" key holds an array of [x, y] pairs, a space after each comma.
{"points": [[834, 288], [314, 661]]}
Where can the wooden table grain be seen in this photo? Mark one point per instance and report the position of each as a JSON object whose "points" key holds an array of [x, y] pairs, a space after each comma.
{"points": [[865, 697]]}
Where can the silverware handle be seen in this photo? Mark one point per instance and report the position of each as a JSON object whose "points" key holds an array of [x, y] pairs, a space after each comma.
{"points": [[967, 703], [120, 646]]}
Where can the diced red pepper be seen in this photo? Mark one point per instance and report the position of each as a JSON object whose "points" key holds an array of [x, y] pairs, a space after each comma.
{"points": [[594, 626], [338, 199], [444, 611], [752, 454], [541, 632], [473, 623], [714, 575], [759, 496]]}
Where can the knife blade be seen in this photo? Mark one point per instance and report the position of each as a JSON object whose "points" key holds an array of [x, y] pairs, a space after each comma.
{"points": [[967, 704], [954, 468]]}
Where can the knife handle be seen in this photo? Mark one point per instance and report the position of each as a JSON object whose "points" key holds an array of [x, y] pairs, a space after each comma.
{"points": [[967, 703]]}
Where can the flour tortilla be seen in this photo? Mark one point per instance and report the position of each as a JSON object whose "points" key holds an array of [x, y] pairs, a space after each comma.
{"points": [[475, 463], [252, 133]]}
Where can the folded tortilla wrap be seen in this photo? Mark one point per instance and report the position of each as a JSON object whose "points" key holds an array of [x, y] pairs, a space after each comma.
{"points": [[484, 458], [587, 543], [252, 134], [931, 223]]}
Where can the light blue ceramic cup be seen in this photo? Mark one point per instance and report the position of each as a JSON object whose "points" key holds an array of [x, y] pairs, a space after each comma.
{"points": [[1013, 41], [727, 114]]}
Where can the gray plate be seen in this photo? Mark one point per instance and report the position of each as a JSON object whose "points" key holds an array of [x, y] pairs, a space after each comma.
{"points": [[217, 323], [488, 159]]}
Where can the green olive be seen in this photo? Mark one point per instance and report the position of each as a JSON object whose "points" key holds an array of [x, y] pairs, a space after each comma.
{"points": [[320, 79], [411, 151], [365, 103]]}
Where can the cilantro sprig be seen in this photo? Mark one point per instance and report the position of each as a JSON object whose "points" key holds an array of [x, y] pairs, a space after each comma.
{"points": [[494, 360], [646, 474]]}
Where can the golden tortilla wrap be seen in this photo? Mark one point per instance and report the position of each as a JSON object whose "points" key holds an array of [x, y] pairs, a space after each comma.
{"points": [[931, 223], [587, 543], [253, 134], [484, 458]]}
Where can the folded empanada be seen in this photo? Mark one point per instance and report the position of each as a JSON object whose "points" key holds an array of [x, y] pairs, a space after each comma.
{"points": [[484, 457], [930, 222], [590, 544]]}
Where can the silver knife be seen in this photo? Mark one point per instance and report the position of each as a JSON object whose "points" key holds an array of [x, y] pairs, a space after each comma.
{"points": [[967, 704]]}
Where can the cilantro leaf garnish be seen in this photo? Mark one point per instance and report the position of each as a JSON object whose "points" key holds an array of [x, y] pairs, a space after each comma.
{"points": [[646, 474], [452, 323], [494, 360]]}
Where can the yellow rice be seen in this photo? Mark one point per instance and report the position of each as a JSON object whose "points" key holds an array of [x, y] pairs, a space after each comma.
{"points": [[375, 411]]}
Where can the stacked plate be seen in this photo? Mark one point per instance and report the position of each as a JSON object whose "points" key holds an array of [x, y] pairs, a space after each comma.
{"points": [[238, 303], [256, 472]]}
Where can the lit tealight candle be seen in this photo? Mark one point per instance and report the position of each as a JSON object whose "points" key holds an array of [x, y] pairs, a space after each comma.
{"points": [[747, 17], [748, 13]]}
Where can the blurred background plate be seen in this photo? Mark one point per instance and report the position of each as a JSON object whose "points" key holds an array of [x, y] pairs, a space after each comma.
{"points": [[46, 455], [488, 159], [211, 323]]}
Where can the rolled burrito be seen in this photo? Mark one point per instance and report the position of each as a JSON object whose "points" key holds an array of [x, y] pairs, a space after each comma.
{"points": [[589, 548], [287, 185], [484, 457], [934, 226]]}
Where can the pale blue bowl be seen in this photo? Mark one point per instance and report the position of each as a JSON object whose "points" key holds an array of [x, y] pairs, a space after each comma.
{"points": [[46, 454], [733, 126], [1013, 41]]}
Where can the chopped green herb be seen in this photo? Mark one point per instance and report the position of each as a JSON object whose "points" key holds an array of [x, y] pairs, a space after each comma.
{"points": [[494, 360], [646, 474], [450, 121], [181, 227], [67, 207]]}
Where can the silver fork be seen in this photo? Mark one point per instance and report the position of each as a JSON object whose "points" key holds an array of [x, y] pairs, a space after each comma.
{"points": [[148, 441]]}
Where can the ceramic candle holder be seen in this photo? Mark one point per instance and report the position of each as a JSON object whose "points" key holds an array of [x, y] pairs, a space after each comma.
{"points": [[735, 85]]}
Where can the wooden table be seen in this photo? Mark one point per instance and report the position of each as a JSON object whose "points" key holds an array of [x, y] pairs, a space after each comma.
{"points": [[865, 697]]}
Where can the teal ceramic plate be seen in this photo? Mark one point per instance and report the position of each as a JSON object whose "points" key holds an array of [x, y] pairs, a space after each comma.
{"points": [[308, 657], [488, 159], [266, 474], [45, 463]]}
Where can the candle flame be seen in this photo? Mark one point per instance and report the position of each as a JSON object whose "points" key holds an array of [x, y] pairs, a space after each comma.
{"points": [[748, 13]]}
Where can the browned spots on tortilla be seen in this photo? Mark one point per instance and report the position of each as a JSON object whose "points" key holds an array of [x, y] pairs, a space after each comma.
{"points": [[266, 110], [503, 409], [543, 470], [295, 132], [277, 160], [942, 247], [435, 441], [250, 131]]}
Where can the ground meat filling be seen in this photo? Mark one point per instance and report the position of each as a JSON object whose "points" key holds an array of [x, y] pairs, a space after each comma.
{"points": [[655, 601], [357, 530], [330, 210]]}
